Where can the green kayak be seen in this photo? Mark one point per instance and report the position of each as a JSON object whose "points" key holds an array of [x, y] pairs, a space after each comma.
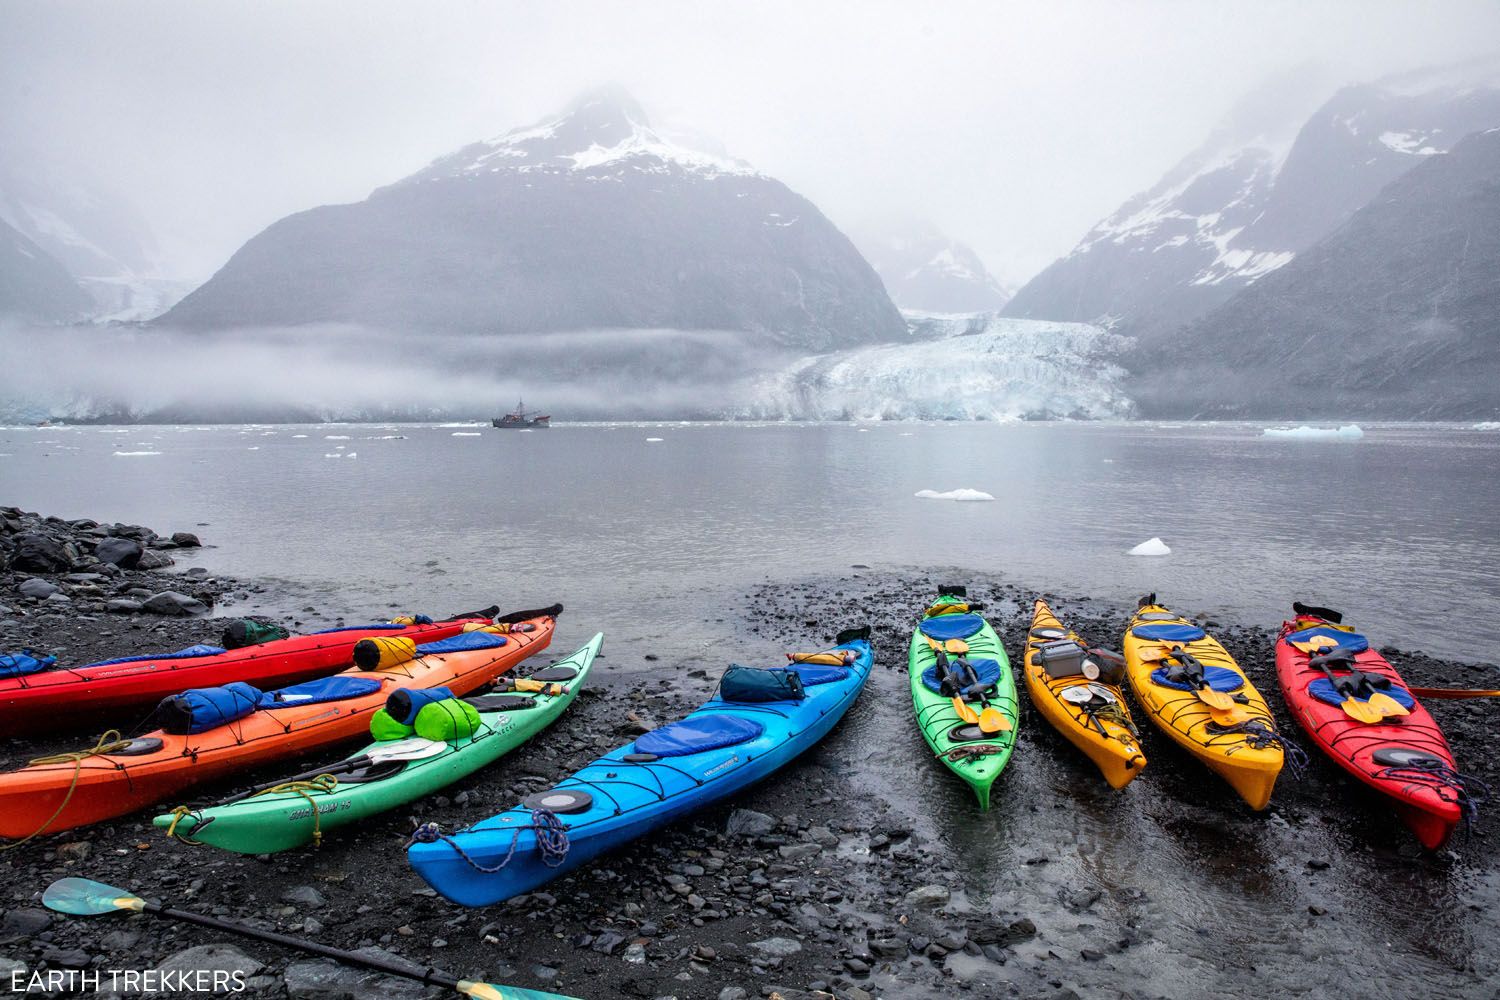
{"points": [[301, 809], [953, 644]]}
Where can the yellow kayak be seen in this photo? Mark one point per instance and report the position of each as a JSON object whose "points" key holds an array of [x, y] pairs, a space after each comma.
{"points": [[1090, 712], [1176, 669]]}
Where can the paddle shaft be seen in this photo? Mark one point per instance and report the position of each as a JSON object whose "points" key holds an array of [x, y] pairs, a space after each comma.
{"points": [[1453, 693], [429, 977]]}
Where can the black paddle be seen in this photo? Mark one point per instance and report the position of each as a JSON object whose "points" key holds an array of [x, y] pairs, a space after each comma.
{"points": [[87, 898]]}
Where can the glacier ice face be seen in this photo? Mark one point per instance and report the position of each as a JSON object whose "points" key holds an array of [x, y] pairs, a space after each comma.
{"points": [[977, 366]]}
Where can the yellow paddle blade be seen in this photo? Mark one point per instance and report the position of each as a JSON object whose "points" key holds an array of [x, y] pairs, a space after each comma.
{"points": [[1387, 706], [992, 721], [1219, 700], [965, 712], [1231, 716], [956, 646], [1361, 711]]}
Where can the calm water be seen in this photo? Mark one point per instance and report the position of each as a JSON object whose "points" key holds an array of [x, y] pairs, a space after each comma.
{"points": [[1401, 529]]}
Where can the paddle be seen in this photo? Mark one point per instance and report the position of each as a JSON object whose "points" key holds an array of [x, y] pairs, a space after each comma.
{"points": [[1219, 701], [950, 683], [1359, 711], [991, 720], [87, 898], [415, 748], [1451, 693]]}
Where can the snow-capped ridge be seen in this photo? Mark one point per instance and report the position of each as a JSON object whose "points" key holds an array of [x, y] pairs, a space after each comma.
{"points": [[600, 133]]}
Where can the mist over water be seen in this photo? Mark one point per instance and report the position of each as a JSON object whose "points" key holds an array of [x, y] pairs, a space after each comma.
{"points": [[340, 372]]}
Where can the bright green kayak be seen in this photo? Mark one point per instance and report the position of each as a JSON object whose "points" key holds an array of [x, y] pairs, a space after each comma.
{"points": [[972, 652], [302, 809]]}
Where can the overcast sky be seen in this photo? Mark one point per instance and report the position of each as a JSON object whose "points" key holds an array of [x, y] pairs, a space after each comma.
{"points": [[1014, 127]]}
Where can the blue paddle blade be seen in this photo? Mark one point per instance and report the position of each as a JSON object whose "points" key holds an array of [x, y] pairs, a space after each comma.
{"points": [[489, 991], [86, 898]]}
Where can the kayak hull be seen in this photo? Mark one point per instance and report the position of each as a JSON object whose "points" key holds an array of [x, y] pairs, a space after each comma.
{"points": [[977, 762], [283, 820], [1429, 808], [55, 796], [631, 799], [74, 697], [1115, 750], [1249, 769]]}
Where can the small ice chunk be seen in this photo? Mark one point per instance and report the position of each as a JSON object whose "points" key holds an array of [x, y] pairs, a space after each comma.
{"points": [[466, 434], [299, 435], [1151, 547], [1348, 432], [128, 454], [1488, 425], [335, 437], [649, 440], [960, 494]]}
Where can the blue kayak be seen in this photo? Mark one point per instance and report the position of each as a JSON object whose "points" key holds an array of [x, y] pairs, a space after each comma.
{"points": [[707, 756]]}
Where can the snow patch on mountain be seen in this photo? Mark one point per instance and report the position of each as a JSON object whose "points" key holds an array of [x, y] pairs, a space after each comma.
{"points": [[958, 367], [600, 134], [1415, 143]]}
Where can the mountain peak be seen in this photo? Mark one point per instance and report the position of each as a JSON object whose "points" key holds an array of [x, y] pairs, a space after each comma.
{"points": [[601, 132]]}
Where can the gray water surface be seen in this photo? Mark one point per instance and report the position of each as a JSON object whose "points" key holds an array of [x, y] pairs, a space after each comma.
{"points": [[1401, 529]]}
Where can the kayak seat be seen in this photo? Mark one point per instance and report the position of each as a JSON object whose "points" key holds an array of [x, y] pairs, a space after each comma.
{"points": [[1169, 633], [813, 673], [988, 671], [696, 733], [1323, 690], [191, 653], [1217, 678], [1351, 641], [462, 642], [335, 688], [946, 627]]}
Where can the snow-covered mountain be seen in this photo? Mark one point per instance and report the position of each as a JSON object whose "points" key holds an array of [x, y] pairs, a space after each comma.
{"points": [[91, 229], [1395, 315], [925, 269], [34, 286], [589, 219], [1247, 202], [958, 367]]}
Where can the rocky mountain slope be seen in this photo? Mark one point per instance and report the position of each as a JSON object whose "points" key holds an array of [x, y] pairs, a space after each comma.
{"points": [[1395, 315], [926, 270], [590, 219], [34, 286], [1247, 203]]}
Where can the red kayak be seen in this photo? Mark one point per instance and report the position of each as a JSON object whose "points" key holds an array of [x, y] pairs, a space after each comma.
{"points": [[1323, 665], [73, 697]]}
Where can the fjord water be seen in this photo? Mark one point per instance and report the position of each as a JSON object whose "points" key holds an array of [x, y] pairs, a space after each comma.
{"points": [[656, 533], [1400, 530]]}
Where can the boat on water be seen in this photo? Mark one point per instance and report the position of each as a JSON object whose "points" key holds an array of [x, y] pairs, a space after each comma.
{"points": [[519, 419]]}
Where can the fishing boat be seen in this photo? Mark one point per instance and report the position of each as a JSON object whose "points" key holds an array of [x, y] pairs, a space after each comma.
{"points": [[519, 419]]}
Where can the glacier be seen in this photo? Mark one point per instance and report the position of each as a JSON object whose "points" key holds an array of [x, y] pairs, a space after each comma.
{"points": [[956, 366]]}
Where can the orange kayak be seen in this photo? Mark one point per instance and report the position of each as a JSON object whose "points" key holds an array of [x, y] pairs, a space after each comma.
{"points": [[120, 776]]}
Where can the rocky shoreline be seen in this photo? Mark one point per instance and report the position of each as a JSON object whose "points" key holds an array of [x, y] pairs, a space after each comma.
{"points": [[856, 873]]}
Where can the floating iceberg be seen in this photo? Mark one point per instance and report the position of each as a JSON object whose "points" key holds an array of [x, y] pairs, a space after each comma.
{"points": [[131, 454], [1487, 425], [465, 434], [335, 437], [1151, 547], [1348, 432], [649, 440], [962, 494]]}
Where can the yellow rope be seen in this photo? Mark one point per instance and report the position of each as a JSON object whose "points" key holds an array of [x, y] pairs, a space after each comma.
{"points": [[108, 743], [324, 783], [178, 815]]}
